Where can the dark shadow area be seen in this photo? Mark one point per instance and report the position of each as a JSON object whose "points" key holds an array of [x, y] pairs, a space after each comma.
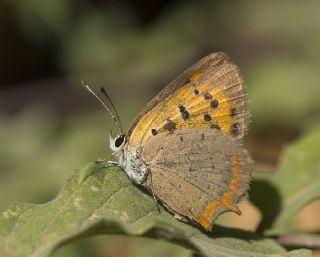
{"points": [[267, 199]]}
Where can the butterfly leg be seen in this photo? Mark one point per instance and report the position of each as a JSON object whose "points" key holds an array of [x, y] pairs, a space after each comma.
{"points": [[112, 163], [98, 161], [106, 164], [105, 160]]}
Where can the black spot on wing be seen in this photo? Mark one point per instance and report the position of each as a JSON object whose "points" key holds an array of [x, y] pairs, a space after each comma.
{"points": [[215, 126], [170, 125], [233, 111], [235, 129], [207, 96], [184, 113], [214, 104], [207, 117]]}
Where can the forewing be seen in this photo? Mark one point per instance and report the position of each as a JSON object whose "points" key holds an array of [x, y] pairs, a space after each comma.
{"points": [[210, 94], [197, 173]]}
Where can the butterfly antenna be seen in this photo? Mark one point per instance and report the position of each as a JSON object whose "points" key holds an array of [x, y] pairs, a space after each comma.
{"points": [[104, 105], [103, 91]]}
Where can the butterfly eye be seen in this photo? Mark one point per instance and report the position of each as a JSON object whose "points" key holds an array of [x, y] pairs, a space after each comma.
{"points": [[119, 141]]}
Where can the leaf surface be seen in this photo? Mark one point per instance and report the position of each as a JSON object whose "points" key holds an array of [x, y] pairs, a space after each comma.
{"points": [[281, 195], [96, 200]]}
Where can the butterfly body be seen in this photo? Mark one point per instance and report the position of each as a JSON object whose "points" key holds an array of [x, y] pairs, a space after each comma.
{"points": [[131, 162], [185, 147]]}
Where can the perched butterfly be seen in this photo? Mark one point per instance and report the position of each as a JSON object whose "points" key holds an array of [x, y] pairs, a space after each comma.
{"points": [[185, 147]]}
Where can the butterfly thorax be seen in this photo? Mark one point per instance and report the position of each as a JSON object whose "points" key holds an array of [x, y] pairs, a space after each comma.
{"points": [[134, 166], [130, 161]]}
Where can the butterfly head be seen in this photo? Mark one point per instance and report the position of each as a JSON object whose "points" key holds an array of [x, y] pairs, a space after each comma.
{"points": [[118, 142]]}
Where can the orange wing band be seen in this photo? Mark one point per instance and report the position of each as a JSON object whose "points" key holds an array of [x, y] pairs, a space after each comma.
{"points": [[206, 218]]}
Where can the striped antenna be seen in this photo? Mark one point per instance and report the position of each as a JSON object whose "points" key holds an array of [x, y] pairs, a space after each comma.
{"points": [[115, 118], [103, 91]]}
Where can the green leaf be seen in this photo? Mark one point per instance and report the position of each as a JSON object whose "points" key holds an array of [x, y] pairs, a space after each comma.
{"points": [[295, 184], [97, 200]]}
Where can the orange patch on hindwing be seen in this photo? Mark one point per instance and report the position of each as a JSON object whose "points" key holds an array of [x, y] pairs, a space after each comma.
{"points": [[234, 183], [227, 198], [205, 220]]}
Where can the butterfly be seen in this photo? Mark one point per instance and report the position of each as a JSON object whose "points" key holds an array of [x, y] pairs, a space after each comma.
{"points": [[185, 147]]}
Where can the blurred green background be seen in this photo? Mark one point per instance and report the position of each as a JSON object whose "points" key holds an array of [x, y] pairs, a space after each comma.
{"points": [[49, 125]]}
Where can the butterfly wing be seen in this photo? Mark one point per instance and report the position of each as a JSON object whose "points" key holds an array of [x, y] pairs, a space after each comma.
{"points": [[197, 173], [210, 94]]}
